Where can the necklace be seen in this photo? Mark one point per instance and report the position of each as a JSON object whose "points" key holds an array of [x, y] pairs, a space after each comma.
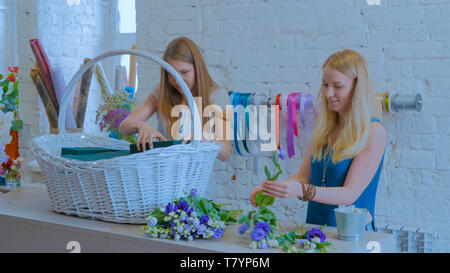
{"points": [[324, 181]]}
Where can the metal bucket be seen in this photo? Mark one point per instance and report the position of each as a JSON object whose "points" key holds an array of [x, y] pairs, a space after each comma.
{"points": [[351, 226]]}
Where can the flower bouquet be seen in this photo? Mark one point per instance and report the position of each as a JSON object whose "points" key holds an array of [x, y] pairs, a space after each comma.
{"points": [[265, 231], [189, 218], [113, 111]]}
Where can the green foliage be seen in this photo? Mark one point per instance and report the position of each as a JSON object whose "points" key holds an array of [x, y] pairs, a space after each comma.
{"points": [[10, 99]]}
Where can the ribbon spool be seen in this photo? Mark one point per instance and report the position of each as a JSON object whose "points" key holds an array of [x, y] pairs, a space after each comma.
{"points": [[395, 102]]}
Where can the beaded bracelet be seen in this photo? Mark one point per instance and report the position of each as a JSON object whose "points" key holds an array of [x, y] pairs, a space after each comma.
{"points": [[308, 192]]}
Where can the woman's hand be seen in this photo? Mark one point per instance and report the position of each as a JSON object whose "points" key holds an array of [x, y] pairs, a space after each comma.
{"points": [[146, 133], [282, 189]]}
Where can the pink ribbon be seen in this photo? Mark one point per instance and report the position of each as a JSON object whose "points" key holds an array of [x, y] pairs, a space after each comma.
{"points": [[292, 109], [297, 102]]}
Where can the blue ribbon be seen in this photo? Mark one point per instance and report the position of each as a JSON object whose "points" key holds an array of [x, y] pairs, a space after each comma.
{"points": [[236, 97]]}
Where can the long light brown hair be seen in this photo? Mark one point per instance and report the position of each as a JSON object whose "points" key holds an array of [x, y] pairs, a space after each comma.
{"points": [[353, 137], [185, 50]]}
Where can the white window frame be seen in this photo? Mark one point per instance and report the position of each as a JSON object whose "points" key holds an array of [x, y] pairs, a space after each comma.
{"points": [[118, 40]]}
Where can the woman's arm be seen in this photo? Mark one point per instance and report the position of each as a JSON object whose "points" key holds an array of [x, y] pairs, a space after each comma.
{"points": [[224, 118], [134, 121], [361, 172]]}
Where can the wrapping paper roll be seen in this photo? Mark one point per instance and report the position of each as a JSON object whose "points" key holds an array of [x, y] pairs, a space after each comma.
{"points": [[59, 84], [132, 78], [50, 110], [85, 85], [102, 80], [44, 69], [121, 78]]}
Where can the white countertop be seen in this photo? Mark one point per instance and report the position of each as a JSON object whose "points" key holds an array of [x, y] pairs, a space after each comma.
{"points": [[27, 224]]}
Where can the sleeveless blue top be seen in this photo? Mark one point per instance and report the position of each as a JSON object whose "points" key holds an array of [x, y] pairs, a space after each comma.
{"points": [[323, 214]]}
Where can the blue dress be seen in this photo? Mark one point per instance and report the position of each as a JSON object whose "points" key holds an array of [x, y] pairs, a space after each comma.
{"points": [[323, 214]]}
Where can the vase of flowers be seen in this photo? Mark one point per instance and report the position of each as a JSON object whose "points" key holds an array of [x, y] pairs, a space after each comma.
{"points": [[112, 112], [10, 169]]}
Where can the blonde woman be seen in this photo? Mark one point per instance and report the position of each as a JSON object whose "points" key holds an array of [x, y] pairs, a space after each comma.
{"points": [[185, 57], [343, 163]]}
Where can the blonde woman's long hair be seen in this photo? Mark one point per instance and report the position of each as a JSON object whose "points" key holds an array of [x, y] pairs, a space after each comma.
{"points": [[185, 50], [355, 133]]}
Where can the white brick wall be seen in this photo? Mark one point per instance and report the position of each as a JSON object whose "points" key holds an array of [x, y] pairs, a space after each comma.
{"points": [[68, 34], [280, 46]]}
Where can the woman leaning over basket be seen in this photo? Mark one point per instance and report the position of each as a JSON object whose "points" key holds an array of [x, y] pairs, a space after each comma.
{"points": [[185, 57], [343, 163]]}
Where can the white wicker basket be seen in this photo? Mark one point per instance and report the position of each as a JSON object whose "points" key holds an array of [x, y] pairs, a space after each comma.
{"points": [[124, 189]]}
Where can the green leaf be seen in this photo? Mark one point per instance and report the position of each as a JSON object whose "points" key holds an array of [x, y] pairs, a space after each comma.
{"points": [[259, 198], [243, 219], [276, 176], [267, 173], [275, 157], [17, 125], [291, 237], [268, 200]]}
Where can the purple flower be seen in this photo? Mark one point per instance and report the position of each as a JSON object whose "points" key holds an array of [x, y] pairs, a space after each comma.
{"points": [[316, 233], [114, 118], [258, 234], [218, 233], [169, 208], [282, 154], [184, 206], [204, 219], [194, 192], [264, 226], [243, 229]]}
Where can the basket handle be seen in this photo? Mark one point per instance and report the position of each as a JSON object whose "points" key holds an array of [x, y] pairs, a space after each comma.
{"points": [[70, 88]]}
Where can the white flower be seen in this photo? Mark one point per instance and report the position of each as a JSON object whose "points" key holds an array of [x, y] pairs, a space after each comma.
{"points": [[196, 222], [316, 240], [253, 245], [177, 237], [152, 221], [272, 243], [6, 120], [180, 229], [162, 209]]}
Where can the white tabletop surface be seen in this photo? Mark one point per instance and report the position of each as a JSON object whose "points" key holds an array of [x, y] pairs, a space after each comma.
{"points": [[29, 208]]}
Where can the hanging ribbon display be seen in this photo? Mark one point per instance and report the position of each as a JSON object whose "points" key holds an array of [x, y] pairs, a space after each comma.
{"points": [[287, 106]]}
